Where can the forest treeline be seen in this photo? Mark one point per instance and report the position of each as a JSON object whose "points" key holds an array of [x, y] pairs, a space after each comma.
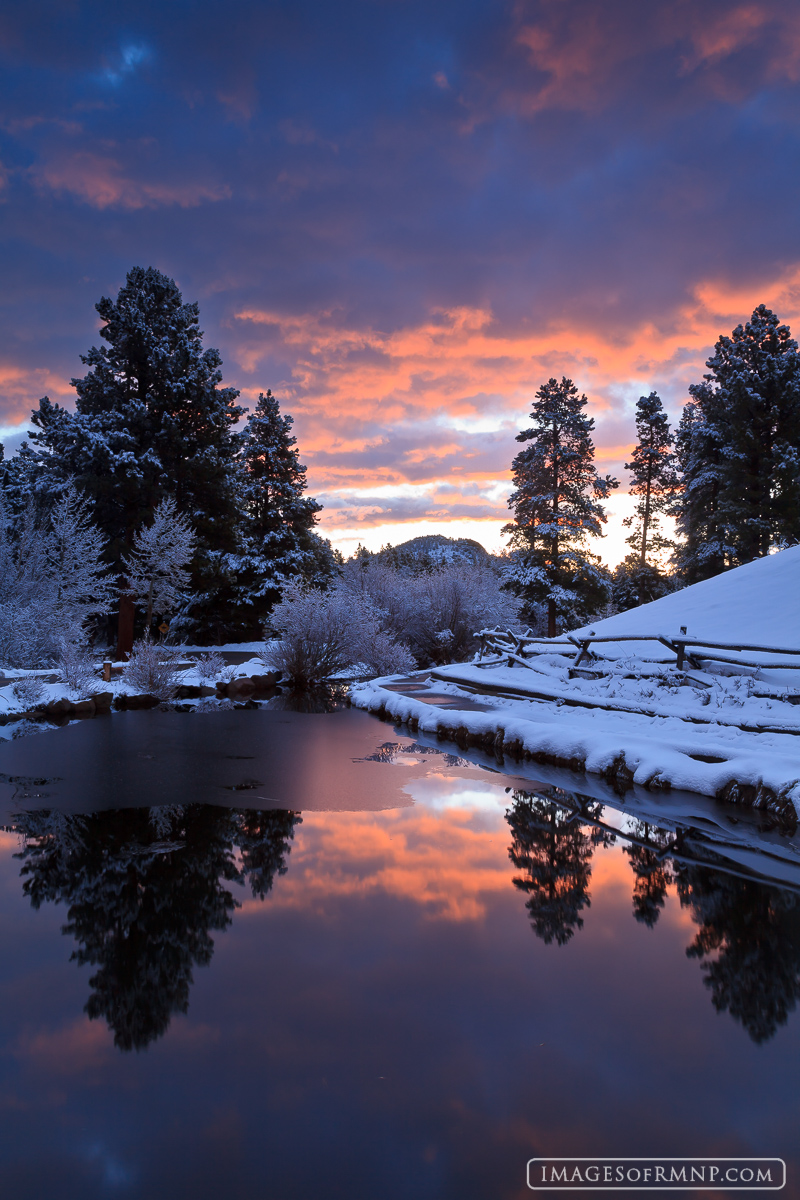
{"points": [[729, 475], [161, 499]]}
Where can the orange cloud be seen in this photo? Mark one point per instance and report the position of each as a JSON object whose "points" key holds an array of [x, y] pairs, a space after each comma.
{"points": [[446, 862], [427, 414], [19, 385], [584, 54], [82, 1047]]}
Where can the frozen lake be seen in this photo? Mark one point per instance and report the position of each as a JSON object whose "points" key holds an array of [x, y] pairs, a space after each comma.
{"points": [[275, 954]]}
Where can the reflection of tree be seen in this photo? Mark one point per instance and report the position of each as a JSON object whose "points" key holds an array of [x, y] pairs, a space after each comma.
{"points": [[652, 875], [748, 940], [143, 889], [322, 699], [390, 752], [754, 929], [554, 852]]}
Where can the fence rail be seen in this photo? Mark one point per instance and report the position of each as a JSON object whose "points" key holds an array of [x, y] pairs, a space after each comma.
{"points": [[517, 647]]}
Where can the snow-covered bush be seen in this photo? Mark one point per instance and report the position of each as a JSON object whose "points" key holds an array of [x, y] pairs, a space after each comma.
{"points": [[52, 580], [152, 669], [76, 666], [325, 633], [27, 637], [211, 666], [28, 690], [436, 613]]}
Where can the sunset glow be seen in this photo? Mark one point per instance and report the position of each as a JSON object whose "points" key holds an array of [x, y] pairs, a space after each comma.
{"points": [[488, 200]]}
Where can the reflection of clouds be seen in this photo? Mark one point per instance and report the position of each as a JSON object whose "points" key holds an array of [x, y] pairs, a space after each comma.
{"points": [[443, 793], [443, 860], [83, 1046]]}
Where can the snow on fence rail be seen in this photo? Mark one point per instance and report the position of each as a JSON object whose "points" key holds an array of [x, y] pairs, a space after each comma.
{"points": [[516, 647]]}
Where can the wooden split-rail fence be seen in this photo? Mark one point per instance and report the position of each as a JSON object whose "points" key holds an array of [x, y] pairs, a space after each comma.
{"points": [[693, 652]]}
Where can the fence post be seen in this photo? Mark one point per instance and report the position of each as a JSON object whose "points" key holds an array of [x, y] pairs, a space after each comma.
{"points": [[681, 651]]}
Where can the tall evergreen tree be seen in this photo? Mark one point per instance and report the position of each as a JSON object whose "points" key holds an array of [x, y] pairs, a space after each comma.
{"points": [[739, 450], [150, 420], [555, 502], [277, 541], [748, 942], [640, 579], [652, 874], [655, 479]]}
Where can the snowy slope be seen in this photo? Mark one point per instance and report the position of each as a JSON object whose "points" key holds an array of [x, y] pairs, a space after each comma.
{"points": [[759, 602]]}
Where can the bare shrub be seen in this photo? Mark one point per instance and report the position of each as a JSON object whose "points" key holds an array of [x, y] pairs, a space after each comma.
{"points": [[436, 612], [28, 690], [212, 666], [325, 633], [152, 669], [76, 666]]}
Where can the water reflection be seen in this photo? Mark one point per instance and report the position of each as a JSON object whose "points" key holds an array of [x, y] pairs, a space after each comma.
{"points": [[754, 931], [554, 852], [144, 888], [326, 698], [748, 939], [651, 872]]}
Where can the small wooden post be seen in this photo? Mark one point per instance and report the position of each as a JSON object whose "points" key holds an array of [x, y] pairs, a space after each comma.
{"points": [[681, 651], [583, 650], [106, 672]]}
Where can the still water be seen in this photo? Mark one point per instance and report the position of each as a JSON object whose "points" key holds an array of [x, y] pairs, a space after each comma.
{"points": [[275, 954]]}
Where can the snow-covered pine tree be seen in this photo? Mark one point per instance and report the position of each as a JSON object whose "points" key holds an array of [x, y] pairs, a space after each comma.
{"points": [[556, 506], [278, 542], [156, 568], [703, 549], [740, 450], [151, 420], [640, 578], [655, 479]]}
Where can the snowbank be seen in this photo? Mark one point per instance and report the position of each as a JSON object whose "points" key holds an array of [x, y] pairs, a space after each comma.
{"points": [[754, 603], [657, 752]]}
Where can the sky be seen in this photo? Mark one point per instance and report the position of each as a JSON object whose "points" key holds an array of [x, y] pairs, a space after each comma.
{"points": [[404, 217]]}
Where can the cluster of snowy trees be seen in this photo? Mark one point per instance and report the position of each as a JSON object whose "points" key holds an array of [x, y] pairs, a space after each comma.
{"points": [[153, 496], [153, 458], [730, 475]]}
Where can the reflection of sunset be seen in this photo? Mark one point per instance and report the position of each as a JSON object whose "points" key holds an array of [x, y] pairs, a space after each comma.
{"points": [[446, 861], [442, 861]]}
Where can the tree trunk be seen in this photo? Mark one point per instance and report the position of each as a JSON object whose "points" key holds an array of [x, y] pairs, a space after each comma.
{"points": [[646, 519], [127, 614], [551, 618]]}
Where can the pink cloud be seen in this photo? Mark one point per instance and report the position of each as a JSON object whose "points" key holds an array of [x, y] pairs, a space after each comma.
{"points": [[103, 183]]}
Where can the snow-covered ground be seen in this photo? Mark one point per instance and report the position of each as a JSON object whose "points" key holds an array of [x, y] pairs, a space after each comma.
{"points": [[720, 731], [758, 603], [658, 751], [53, 689]]}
